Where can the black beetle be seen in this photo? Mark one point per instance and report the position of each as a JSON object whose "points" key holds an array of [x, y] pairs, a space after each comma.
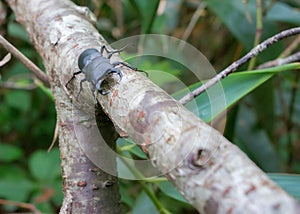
{"points": [[97, 68]]}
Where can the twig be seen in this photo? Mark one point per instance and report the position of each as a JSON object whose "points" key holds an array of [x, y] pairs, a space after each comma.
{"points": [[281, 61], [5, 59], [295, 43], [15, 83], [30, 65], [193, 21], [55, 136], [30, 207], [235, 65], [258, 31]]}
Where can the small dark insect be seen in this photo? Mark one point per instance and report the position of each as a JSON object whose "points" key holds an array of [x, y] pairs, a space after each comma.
{"points": [[97, 68]]}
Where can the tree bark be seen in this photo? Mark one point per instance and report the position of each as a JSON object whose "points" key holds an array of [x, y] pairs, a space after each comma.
{"points": [[87, 189], [211, 173]]}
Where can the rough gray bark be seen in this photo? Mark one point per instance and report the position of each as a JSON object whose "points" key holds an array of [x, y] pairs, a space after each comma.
{"points": [[87, 189], [212, 174]]}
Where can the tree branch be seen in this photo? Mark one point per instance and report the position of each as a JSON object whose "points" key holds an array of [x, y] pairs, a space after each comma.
{"points": [[87, 189], [281, 61], [234, 66], [212, 174], [30, 65]]}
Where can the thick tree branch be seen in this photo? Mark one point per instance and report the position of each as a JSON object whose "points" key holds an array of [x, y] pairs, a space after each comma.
{"points": [[50, 25], [213, 174]]}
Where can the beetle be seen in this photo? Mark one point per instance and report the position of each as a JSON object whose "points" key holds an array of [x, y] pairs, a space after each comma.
{"points": [[97, 68]]}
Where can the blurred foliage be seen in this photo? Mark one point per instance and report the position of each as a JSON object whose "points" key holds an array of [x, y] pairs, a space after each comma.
{"points": [[265, 124]]}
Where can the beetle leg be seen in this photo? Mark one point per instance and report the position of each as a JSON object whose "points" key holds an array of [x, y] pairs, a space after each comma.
{"points": [[74, 74], [129, 66], [103, 47], [80, 86], [93, 89]]}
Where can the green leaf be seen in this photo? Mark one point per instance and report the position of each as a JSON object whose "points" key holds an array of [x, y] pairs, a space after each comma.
{"points": [[16, 190], [45, 207], [234, 13], [282, 12], [148, 11], [126, 145], [45, 166], [12, 171], [167, 21], [167, 188], [58, 197], [16, 30], [288, 182], [143, 204], [263, 103], [234, 87], [20, 100], [125, 197], [9, 153], [47, 91], [254, 142]]}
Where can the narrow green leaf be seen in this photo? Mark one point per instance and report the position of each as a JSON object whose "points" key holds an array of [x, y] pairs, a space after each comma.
{"points": [[255, 142], [288, 182], [128, 146], [148, 10], [144, 205], [263, 101], [235, 87], [167, 188], [239, 18], [282, 12]]}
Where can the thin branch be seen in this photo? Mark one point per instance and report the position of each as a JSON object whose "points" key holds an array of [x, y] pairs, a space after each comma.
{"points": [[30, 65], [30, 207], [193, 21], [258, 31], [55, 137], [5, 59], [295, 43], [15, 83], [235, 65], [281, 61]]}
